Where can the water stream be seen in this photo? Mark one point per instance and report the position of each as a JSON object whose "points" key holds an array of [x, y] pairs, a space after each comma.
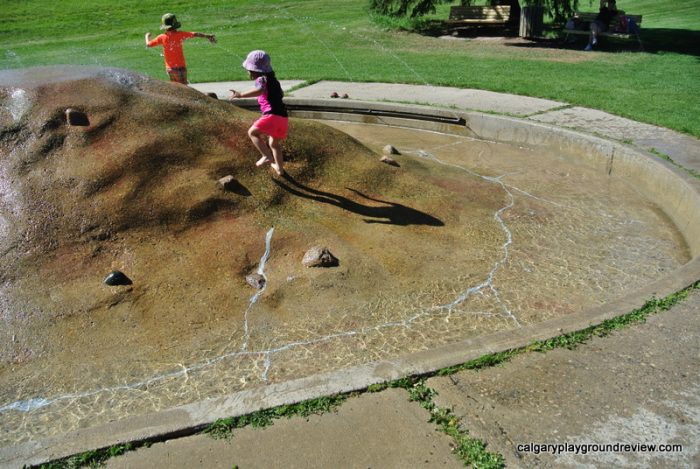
{"points": [[495, 282]]}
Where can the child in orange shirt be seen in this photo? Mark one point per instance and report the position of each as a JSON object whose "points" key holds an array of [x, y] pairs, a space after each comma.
{"points": [[171, 41]]}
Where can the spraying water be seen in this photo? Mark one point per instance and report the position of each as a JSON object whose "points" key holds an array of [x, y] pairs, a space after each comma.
{"points": [[19, 104], [318, 39]]}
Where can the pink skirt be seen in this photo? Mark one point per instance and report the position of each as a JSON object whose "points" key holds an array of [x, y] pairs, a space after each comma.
{"points": [[273, 125]]}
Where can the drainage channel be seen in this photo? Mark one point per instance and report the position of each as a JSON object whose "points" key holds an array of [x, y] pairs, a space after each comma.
{"points": [[295, 106]]}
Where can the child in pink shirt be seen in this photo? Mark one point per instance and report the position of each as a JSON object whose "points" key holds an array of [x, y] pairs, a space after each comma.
{"points": [[274, 122]]}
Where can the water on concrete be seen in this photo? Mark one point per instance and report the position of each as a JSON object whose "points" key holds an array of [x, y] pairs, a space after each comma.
{"points": [[463, 238]]}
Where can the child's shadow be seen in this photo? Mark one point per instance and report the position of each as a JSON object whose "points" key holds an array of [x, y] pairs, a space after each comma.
{"points": [[391, 213]]}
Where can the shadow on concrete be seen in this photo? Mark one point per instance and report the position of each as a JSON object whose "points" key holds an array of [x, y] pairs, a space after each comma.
{"points": [[391, 213]]}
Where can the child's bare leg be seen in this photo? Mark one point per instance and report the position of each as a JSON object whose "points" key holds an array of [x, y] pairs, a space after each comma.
{"points": [[276, 149], [261, 145]]}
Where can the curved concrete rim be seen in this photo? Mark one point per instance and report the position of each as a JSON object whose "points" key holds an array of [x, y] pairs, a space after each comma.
{"points": [[670, 187]]}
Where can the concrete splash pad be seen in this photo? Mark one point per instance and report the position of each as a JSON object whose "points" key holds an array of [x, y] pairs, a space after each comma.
{"points": [[498, 259]]}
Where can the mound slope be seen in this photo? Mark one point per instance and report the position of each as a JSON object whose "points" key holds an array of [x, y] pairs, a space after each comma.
{"points": [[134, 188]]}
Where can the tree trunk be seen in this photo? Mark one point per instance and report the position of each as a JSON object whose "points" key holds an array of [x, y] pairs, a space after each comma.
{"points": [[514, 19]]}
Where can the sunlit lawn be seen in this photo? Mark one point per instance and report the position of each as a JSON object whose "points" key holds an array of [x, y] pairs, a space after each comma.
{"points": [[338, 40]]}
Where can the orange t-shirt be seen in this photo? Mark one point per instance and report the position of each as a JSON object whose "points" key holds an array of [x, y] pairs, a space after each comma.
{"points": [[172, 47]]}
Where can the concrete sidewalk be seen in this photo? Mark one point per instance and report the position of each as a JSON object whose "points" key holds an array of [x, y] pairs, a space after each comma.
{"points": [[371, 430], [682, 149]]}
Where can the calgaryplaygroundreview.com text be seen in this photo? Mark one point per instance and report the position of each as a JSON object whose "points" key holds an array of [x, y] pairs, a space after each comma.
{"points": [[586, 448]]}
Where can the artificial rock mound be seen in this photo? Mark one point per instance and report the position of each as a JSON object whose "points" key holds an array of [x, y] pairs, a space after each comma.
{"points": [[105, 170], [150, 157], [134, 190]]}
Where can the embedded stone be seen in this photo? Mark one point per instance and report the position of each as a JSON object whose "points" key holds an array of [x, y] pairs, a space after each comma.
{"points": [[389, 161], [78, 118], [227, 183], [319, 256], [391, 150], [116, 278], [255, 280]]}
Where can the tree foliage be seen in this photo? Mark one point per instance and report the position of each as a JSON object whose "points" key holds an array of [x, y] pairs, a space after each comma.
{"points": [[557, 9], [560, 10], [403, 7]]}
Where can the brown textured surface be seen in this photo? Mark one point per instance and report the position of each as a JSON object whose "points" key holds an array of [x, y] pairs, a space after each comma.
{"points": [[137, 191]]}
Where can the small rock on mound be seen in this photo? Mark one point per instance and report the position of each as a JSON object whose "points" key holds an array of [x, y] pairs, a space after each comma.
{"points": [[116, 278], [74, 117], [319, 256], [391, 150], [227, 183], [255, 281]]}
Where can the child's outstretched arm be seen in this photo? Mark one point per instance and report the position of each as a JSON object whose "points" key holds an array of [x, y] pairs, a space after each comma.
{"points": [[148, 38], [251, 93], [211, 37]]}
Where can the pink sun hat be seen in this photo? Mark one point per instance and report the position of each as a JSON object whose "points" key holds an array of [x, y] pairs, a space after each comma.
{"points": [[258, 61]]}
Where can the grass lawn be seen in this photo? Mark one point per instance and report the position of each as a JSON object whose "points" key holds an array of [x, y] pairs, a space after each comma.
{"points": [[338, 40]]}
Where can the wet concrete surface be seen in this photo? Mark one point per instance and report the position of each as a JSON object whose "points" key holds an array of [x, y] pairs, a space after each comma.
{"points": [[459, 400], [638, 385]]}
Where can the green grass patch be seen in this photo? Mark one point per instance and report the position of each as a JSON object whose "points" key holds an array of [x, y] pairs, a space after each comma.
{"points": [[224, 428], [340, 40], [653, 306], [471, 451], [666, 157], [94, 458], [484, 361]]}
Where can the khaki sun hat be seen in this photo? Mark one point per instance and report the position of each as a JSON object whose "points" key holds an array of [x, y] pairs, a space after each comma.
{"points": [[169, 21]]}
